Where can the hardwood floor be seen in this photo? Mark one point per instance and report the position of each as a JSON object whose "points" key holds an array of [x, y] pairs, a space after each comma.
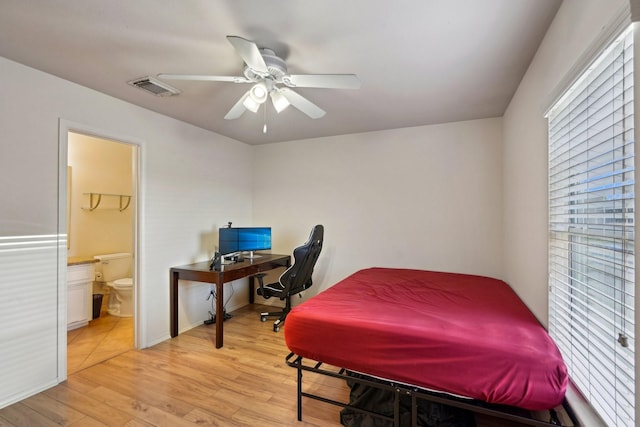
{"points": [[186, 381]]}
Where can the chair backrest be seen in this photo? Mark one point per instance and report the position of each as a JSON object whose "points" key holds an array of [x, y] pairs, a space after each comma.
{"points": [[297, 278]]}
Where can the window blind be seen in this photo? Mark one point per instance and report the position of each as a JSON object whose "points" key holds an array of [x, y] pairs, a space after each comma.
{"points": [[591, 232]]}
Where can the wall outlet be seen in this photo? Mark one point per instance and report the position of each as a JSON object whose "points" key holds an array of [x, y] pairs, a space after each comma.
{"points": [[98, 276]]}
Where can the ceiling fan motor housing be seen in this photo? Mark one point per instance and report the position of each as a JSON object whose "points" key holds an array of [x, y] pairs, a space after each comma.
{"points": [[276, 66]]}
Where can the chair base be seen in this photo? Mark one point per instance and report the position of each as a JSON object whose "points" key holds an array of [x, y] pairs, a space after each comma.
{"points": [[265, 293], [277, 323]]}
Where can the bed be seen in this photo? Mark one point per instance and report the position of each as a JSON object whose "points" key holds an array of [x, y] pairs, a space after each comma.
{"points": [[466, 336]]}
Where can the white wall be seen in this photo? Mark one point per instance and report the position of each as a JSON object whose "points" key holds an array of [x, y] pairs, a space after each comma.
{"points": [[425, 197], [192, 181]]}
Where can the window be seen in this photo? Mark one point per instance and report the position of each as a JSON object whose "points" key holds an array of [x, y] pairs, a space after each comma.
{"points": [[591, 232]]}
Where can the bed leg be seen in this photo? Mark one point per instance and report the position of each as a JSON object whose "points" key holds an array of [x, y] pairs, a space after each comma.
{"points": [[299, 393], [414, 411], [396, 409]]}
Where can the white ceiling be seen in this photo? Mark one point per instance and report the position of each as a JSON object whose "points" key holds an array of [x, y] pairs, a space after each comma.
{"points": [[420, 61]]}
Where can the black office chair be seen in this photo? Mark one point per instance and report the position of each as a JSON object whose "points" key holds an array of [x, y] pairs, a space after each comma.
{"points": [[295, 279]]}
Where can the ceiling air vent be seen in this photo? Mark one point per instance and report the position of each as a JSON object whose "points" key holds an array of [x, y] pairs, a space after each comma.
{"points": [[154, 86]]}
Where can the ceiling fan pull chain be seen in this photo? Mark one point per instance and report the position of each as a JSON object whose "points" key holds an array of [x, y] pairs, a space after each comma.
{"points": [[264, 128]]}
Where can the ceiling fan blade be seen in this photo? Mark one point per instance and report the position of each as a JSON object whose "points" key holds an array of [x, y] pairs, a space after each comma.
{"points": [[238, 109], [332, 81], [232, 79], [249, 53], [302, 103]]}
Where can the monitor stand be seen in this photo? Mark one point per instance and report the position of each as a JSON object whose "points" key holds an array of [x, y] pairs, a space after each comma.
{"points": [[252, 255]]}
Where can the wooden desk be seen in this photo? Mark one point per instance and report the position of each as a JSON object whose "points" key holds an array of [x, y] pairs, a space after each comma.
{"points": [[199, 272]]}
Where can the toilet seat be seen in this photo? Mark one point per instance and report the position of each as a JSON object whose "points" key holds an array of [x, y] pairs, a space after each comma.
{"points": [[123, 284]]}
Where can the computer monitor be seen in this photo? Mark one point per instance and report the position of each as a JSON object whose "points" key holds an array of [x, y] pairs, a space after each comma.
{"points": [[244, 239]]}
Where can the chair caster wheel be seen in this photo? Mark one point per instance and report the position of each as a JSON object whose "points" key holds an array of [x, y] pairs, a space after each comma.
{"points": [[263, 318], [276, 328]]}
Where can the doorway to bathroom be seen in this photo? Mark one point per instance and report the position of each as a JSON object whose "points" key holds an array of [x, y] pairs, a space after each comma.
{"points": [[102, 182]]}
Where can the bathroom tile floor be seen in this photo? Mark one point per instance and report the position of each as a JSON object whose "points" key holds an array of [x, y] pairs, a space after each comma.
{"points": [[104, 338]]}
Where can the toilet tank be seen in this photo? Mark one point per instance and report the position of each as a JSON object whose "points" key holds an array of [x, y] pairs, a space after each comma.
{"points": [[112, 267]]}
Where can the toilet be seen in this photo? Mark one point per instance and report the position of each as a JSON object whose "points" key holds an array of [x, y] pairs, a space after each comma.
{"points": [[114, 270]]}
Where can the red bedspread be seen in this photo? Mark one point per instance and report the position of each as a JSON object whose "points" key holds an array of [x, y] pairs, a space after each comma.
{"points": [[462, 334]]}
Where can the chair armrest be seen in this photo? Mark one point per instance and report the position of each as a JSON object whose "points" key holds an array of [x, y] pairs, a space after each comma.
{"points": [[260, 290], [260, 277]]}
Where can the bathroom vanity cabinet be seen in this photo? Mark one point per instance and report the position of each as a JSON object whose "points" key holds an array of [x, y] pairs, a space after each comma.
{"points": [[79, 293]]}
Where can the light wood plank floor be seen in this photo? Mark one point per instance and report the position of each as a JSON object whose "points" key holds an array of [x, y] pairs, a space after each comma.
{"points": [[186, 381]]}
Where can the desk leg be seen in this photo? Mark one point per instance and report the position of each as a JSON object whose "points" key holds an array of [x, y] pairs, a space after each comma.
{"points": [[173, 304], [252, 288], [219, 312]]}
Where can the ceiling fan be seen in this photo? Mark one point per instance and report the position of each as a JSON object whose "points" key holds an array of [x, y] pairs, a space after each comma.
{"points": [[270, 78]]}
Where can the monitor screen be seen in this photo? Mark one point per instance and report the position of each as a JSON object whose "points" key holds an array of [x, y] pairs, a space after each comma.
{"points": [[247, 239], [228, 240]]}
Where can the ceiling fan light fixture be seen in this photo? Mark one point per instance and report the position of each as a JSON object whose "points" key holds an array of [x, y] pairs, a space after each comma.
{"points": [[279, 101], [259, 93], [250, 104]]}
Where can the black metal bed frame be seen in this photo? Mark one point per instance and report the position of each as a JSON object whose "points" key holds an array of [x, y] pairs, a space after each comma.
{"points": [[415, 393]]}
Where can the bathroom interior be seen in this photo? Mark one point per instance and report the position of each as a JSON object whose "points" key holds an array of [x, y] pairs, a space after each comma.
{"points": [[100, 269]]}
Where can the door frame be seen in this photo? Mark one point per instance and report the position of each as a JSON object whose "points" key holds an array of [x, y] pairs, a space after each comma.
{"points": [[65, 127]]}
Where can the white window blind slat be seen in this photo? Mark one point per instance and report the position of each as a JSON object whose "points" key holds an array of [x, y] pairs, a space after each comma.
{"points": [[616, 67], [621, 145], [601, 106], [592, 232], [573, 130], [569, 292]]}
